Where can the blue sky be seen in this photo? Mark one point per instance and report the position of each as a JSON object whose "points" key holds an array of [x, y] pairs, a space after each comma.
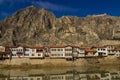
{"points": [[80, 8]]}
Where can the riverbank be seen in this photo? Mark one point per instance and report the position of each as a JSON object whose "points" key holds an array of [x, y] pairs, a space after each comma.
{"points": [[40, 63]]}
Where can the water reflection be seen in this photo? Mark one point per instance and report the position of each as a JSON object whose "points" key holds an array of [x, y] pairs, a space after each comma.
{"points": [[69, 74]]}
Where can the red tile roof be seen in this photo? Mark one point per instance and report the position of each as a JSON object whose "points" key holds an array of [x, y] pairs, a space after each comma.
{"points": [[90, 50]]}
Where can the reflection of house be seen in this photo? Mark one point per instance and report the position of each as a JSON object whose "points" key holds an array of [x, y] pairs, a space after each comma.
{"points": [[27, 78], [83, 76], [57, 77]]}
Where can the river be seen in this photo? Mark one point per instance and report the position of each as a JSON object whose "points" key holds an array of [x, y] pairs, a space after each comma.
{"points": [[62, 73]]}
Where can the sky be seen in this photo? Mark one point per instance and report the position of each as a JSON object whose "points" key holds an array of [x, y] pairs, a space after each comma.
{"points": [[80, 8]]}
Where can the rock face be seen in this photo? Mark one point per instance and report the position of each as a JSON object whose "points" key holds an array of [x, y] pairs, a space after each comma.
{"points": [[37, 26]]}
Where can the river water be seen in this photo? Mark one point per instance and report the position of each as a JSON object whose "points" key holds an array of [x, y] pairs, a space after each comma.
{"points": [[62, 73]]}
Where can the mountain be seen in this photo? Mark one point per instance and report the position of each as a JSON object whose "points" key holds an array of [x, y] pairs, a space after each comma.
{"points": [[37, 26]]}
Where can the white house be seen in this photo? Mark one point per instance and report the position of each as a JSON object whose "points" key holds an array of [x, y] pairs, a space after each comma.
{"points": [[110, 47], [57, 51], [81, 51], [27, 51], [26, 78], [101, 51], [36, 52], [90, 53], [57, 77], [68, 52], [111, 50], [117, 54], [78, 51], [17, 52]]}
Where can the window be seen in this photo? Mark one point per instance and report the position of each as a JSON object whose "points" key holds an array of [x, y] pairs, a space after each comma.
{"points": [[103, 49], [68, 54], [59, 49], [39, 50], [68, 49], [26, 49], [33, 50], [32, 54], [13, 54], [53, 49], [61, 54], [39, 54], [26, 54], [52, 55]]}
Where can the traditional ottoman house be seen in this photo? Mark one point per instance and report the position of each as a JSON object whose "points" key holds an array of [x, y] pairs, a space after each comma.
{"points": [[102, 51], [57, 77], [111, 50], [81, 51], [90, 53], [27, 51], [68, 52], [110, 47], [8, 52], [75, 51], [17, 51], [2, 52], [57, 51], [37, 52], [78, 52]]}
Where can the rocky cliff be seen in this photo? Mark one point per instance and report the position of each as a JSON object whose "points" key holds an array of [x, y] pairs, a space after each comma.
{"points": [[37, 26]]}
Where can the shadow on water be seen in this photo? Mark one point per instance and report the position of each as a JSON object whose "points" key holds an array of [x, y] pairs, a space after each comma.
{"points": [[63, 73]]}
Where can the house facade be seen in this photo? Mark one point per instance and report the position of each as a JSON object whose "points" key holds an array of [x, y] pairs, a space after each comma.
{"points": [[57, 52], [68, 52], [36, 52], [81, 52], [17, 52], [90, 53], [117, 52], [102, 51]]}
